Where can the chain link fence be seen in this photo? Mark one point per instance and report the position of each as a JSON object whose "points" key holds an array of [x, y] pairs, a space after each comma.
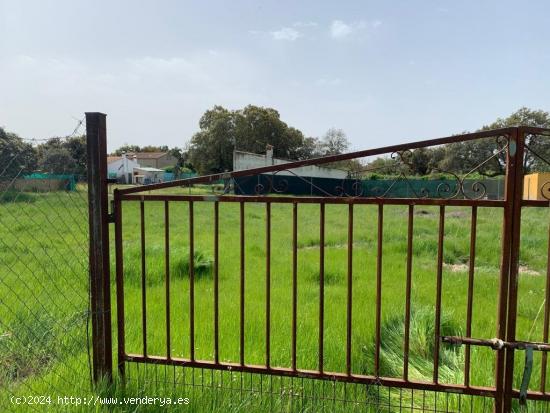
{"points": [[44, 337]]}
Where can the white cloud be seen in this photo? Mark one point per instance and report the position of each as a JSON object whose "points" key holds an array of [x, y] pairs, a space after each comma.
{"points": [[340, 29], [286, 33]]}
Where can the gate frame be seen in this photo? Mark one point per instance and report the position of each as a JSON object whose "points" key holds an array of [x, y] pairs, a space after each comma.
{"points": [[502, 393]]}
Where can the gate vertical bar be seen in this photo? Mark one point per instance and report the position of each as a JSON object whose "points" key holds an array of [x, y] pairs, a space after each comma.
{"points": [[294, 282], [349, 299], [241, 284], [321, 286], [469, 305], [216, 282], [191, 282], [143, 277], [100, 295], [119, 267], [167, 276], [438, 288], [379, 250], [514, 266], [406, 344], [268, 284]]}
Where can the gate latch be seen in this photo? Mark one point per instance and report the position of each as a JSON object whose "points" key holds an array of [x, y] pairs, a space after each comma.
{"points": [[498, 344], [526, 375]]}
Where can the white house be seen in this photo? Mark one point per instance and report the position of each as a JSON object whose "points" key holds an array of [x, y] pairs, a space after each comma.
{"points": [[147, 175], [122, 168]]}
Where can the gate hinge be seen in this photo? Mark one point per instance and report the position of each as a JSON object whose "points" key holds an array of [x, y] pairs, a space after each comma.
{"points": [[498, 344]]}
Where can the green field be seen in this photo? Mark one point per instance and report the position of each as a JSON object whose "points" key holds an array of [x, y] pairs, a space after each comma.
{"points": [[43, 252]]}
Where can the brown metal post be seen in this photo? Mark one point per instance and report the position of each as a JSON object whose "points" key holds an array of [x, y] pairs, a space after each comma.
{"points": [[507, 229], [119, 268], [514, 266], [98, 205]]}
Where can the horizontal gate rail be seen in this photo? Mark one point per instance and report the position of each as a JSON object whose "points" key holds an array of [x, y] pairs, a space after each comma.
{"points": [[315, 200], [314, 374]]}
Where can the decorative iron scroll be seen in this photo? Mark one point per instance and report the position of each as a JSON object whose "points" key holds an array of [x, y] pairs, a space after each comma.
{"points": [[545, 190], [457, 186]]}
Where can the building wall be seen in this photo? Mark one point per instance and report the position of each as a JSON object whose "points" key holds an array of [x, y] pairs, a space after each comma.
{"points": [[245, 160], [116, 167], [147, 162], [165, 161], [533, 184], [162, 162]]}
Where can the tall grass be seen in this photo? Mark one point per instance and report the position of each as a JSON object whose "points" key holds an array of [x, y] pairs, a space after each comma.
{"points": [[421, 350], [43, 267]]}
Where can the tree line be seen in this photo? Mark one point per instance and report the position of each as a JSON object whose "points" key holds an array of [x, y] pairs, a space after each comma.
{"points": [[485, 157], [56, 155], [251, 129]]}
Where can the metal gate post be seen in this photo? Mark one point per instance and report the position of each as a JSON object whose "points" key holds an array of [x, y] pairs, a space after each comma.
{"points": [[121, 352], [507, 229], [514, 267], [98, 205]]}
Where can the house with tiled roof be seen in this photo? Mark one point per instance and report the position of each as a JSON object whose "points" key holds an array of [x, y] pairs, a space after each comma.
{"points": [[122, 168]]}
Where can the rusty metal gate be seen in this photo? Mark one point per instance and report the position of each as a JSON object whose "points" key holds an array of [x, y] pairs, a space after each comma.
{"points": [[512, 150]]}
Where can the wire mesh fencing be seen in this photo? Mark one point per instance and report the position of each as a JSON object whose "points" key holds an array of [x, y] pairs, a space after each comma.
{"points": [[213, 390], [43, 269]]}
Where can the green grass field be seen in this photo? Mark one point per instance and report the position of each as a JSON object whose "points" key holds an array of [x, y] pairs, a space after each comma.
{"points": [[43, 252]]}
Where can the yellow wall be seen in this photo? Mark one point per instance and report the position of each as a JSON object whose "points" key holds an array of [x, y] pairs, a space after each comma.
{"points": [[532, 185]]}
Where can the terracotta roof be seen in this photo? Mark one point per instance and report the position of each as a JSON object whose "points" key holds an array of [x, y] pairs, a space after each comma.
{"points": [[148, 155]]}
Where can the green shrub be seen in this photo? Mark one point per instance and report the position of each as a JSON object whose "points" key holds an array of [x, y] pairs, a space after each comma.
{"points": [[155, 265], [330, 277], [202, 265]]}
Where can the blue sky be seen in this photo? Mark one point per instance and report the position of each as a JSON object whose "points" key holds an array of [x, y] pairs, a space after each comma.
{"points": [[384, 72]]}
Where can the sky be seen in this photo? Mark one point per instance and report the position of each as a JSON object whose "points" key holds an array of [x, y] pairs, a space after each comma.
{"points": [[384, 72]]}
